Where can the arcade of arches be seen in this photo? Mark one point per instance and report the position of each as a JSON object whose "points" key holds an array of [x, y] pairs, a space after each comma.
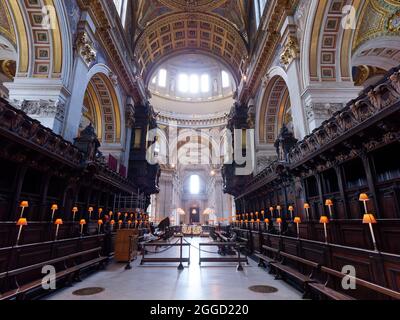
{"points": [[274, 124]]}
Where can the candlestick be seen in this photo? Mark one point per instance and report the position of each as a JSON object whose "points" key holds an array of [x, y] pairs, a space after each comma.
{"points": [[100, 212], [57, 223], [271, 209], [20, 223], [54, 207], [23, 205], [263, 214], [325, 221], [112, 223], [119, 224], [129, 224], [279, 208]]}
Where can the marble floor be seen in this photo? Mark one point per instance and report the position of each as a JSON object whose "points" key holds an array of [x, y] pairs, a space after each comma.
{"points": [[210, 281]]}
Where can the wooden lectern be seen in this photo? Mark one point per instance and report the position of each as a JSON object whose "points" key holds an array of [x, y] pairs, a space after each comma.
{"points": [[123, 245]]}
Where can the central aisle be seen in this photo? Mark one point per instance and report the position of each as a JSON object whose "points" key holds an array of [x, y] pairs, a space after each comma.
{"points": [[210, 281]]}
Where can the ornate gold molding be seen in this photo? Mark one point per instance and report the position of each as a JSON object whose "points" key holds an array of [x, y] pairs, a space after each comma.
{"points": [[291, 51]]}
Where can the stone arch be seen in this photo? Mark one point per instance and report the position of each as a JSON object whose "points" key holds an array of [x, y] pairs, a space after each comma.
{"points": [[326, 53], [274, 102], [43, 52], [382, 53], [102, 98]]}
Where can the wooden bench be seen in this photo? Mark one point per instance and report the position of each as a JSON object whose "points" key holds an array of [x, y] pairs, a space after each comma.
{"points": [[324, 291], [266, 261], [283, 271], [70, 273]]}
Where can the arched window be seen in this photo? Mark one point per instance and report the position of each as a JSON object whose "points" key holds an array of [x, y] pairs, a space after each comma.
{"points": [[205, 83], [259, 6], [194, 83], [162, 78], [183, 83], [225, 80], [194, 184]]}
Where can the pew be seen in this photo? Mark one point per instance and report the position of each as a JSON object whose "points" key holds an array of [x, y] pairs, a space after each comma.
{"points": [[265, 260], [284, 271], [69, 268], [324, 291]]}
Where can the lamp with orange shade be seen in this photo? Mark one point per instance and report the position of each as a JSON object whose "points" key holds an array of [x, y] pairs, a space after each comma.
{"points": [[90, 212], [279, 221], [74, 211], [22, 222], [325, 220], [297, 221], [364, 198], [271, 210], [54, 207], [82, 223], [329, 204], [279, 208], [99, 224], [369, 219], [266, 221], [291, 209], [58, 223], [307, 208], [23, 205]]}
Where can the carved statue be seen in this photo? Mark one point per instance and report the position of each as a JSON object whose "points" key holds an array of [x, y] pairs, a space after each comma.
{"points": [[89, 144], [285, 142]]}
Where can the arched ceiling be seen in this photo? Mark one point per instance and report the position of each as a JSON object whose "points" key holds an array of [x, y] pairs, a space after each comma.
{"points": [[233, 11], [194, 32]]}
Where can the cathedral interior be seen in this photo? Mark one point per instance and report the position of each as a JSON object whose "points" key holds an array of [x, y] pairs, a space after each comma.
{"points": [[258, 135]]}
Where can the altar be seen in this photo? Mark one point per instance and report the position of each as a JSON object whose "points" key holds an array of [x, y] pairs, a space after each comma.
{"points": [[194, 231]]}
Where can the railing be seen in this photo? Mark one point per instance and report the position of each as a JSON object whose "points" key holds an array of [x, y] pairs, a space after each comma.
{"points": [[179, 259], [237, 259]]}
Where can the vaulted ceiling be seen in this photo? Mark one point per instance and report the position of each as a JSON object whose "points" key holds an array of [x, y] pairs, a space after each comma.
{"points": [[170, 27]]}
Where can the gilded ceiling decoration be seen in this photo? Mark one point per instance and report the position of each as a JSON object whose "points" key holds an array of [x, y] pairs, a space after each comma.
{"points": [[6, 25], [378, 18], [190, 32], [201, 5], [233, 11]]}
